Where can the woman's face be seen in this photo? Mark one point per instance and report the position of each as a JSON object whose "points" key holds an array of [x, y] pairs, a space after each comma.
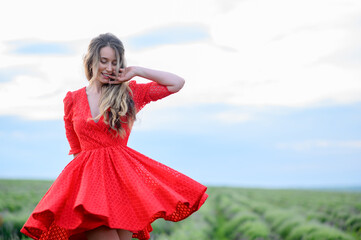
{"points": [[107, 64]]}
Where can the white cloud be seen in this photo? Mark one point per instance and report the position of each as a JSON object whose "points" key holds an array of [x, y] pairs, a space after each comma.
{"points": [[69, 20], [260, 53], [38, 94], [281, 43]]}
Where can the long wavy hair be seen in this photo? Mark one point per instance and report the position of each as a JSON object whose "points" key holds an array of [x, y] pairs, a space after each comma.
{"points": [[116, 104]]}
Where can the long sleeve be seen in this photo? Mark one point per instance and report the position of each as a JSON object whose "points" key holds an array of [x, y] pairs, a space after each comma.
{"points": [[69, 127], [144, 93]]}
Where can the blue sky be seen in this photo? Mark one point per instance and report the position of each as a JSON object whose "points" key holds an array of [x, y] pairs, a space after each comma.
{"points": [[283, 148], [272, 98]]}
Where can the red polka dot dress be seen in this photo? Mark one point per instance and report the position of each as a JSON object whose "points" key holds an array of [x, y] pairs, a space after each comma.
{"points": [[108, 183]]}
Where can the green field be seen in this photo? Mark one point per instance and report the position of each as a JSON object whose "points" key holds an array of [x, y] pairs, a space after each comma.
{"points": [[229, 213]]}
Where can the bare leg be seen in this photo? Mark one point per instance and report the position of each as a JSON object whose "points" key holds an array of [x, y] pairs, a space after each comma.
{"points": [[124, 234], [102, 233]]}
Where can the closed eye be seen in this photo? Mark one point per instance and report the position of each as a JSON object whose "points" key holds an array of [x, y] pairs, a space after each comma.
{"points": [[105, 60]]}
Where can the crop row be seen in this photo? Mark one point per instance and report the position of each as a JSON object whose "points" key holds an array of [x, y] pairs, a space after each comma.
{"points": [[228, 214], [268, 214], [248, 217]]}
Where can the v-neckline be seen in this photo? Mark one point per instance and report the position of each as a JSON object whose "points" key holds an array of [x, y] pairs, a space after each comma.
{"points": [[89, 109]]}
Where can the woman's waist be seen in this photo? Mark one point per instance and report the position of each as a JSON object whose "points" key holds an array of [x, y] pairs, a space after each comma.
{"points": [[87, 147]]}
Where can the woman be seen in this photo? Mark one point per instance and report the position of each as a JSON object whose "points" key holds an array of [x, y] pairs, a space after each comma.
{"points": [[110, 191]]}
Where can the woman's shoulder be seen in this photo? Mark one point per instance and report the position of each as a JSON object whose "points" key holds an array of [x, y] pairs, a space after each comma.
{"points": [[75, 92], [78, 91], [132, 84]]}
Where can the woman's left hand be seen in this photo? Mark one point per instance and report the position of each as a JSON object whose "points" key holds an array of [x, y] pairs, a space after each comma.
{"points": [[173, 82], [125, 74]]}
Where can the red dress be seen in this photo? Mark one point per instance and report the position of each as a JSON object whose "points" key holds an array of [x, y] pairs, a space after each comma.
{"points": [[108, 183]]}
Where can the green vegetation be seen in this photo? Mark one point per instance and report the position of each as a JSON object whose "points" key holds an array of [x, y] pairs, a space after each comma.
{"points": [[17, 200], [228, 214]]}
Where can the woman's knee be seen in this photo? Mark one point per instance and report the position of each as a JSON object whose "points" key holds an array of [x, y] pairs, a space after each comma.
{"points": [[124, 234], [101, 233]]}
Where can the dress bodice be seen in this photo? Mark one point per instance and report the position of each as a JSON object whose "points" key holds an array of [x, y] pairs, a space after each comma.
{"points": [[84, 133]]}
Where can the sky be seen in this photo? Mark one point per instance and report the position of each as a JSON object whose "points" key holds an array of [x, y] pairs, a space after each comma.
{"points": [[272, 95]]}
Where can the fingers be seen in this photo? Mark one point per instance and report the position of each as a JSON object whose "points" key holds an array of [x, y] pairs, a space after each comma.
{"points": [[119, 79], [124, 75]]}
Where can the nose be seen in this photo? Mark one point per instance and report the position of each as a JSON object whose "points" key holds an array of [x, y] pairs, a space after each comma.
{"points": [[109, 67]]}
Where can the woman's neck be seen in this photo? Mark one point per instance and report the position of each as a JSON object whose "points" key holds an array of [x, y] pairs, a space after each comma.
{"points": [[95, 87]]}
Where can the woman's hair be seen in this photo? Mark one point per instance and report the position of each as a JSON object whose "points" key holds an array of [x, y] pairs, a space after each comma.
{"points": [[116, 103]]}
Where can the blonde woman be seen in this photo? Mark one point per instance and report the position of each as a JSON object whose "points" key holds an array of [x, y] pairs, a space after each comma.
{"points": [[110, 191]]}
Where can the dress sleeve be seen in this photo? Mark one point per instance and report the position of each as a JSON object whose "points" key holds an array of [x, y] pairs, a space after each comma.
{"points": [[144, 93], [69, 127]]}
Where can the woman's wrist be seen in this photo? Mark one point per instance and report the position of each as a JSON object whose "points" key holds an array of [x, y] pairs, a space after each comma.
{"points": [[138, 71]]}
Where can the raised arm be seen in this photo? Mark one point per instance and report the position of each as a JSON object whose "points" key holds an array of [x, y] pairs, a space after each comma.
{"points": [[173, 82]]}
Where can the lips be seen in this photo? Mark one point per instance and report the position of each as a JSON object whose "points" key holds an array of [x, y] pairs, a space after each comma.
{"points": [[105, 75]]}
